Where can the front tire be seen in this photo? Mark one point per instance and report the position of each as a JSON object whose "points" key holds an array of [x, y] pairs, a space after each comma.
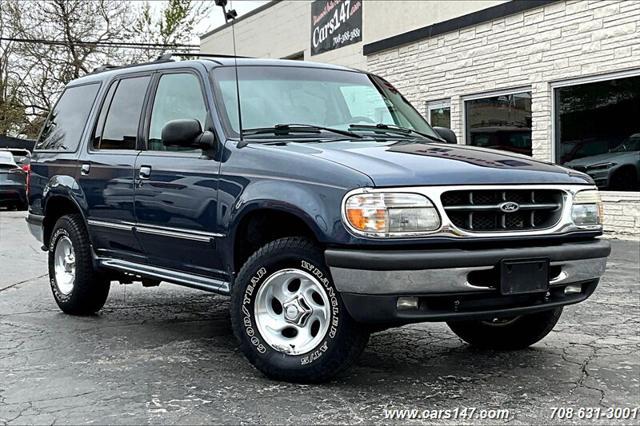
{"points": [[288, 316], [77, 288], [507, 333]]}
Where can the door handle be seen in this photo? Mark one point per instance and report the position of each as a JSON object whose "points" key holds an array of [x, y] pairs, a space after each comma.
{"points": [[85, 169], [145, 172]]}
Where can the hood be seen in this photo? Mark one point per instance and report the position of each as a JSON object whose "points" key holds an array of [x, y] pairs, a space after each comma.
{"points": [[607, 157], [408, 163]]}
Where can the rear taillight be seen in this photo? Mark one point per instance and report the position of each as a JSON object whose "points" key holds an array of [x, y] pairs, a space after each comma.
{"points": [[27, 169]]}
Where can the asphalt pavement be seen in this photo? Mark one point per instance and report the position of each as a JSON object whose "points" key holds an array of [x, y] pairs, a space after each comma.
{"points": [[167, 355]]}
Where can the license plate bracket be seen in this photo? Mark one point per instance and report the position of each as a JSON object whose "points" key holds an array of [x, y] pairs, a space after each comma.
{"points": [[522, 276]]}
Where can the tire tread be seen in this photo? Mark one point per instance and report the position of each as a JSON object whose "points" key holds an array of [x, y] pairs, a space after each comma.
{"points": [[343, 356]]}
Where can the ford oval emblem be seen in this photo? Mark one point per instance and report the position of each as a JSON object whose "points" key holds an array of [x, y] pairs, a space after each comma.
{"points": [[509, 207]]}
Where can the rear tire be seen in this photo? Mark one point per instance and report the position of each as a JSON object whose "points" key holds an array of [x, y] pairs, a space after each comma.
{"points": [[507, 334], [288, 316], [77, 288]]}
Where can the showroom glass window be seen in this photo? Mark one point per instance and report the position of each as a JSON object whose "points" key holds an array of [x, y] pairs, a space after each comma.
{"points": [[439, 114], [500, 122], [598, 131]]}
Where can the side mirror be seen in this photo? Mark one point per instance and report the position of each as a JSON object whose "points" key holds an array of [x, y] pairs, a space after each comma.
{"points": [[446, 134], [187, 133]]}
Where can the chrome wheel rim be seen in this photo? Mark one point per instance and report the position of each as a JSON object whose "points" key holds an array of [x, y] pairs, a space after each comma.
{"points": [[64, 265], [292, 311]]}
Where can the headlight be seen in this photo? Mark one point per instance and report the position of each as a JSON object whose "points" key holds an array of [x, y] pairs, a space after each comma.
{"points": [[388, 214], [587, 209], [600, 166]]}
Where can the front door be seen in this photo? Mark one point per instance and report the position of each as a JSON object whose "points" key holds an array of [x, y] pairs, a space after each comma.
{"points": [[176, 188], [107, 169]]}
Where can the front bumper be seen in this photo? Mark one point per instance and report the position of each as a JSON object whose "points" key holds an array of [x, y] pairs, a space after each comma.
{"points": [[459, 284]]}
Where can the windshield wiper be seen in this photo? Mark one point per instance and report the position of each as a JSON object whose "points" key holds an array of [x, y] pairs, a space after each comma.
{"points": [[393, 129], [285, 129]]}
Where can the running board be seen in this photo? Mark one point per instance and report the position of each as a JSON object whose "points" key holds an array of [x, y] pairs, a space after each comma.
{"points": [[188, 280]]}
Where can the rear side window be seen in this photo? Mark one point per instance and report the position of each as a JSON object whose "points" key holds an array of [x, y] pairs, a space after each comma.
{"points": [[63, 128], [120, 114]]}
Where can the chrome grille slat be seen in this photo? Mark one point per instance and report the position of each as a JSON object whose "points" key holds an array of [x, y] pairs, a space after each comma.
{"points": [[496, 207], [480, 210]]}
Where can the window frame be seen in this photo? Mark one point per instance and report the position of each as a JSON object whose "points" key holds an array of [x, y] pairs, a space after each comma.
{"points": [[104, 98], [437, 104], [151, 96], [491, 94], [83, 134]]}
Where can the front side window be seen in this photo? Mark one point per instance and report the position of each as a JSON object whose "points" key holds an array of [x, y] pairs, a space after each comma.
{"points": [[598, 131], [120, 114], [179, 96], [337, 99], [63, 128], [500, 122]]}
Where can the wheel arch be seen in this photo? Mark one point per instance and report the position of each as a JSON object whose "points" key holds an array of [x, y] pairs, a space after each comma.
{"points": [[262, 223], [56, 206]]}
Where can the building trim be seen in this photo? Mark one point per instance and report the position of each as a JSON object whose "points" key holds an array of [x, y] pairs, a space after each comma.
{"points": [[241, 18], [475, 18]]}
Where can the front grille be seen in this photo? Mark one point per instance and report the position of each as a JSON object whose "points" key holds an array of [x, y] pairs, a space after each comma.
{"points": [[482, 210]]}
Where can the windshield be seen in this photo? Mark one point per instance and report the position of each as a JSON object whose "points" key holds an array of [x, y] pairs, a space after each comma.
{"points": [[273, 95], [6, 159], [631, 144]]}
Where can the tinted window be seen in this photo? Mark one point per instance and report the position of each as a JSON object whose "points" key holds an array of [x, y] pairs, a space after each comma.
{"points": [[64, 126], [122, 114], [598, 131], [178, 97], [97, 135], [500, 122]]}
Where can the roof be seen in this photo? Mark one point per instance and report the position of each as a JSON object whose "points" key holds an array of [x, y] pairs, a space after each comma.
{"points": [[209, 63]]}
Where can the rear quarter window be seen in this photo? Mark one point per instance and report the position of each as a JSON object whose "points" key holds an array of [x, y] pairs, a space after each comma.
{"points": [[63, 129]]}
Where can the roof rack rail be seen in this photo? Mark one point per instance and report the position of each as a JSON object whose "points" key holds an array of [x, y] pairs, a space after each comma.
{"points": [[107, 67], [169, 55], [104, 67], [163, 58]]}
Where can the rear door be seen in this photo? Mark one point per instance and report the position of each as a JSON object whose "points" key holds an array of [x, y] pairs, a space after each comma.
{"points": [[176, 191], [106, 170]]}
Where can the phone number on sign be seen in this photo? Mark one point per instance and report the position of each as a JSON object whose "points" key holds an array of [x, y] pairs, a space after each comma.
{"points": [[596, 413]]}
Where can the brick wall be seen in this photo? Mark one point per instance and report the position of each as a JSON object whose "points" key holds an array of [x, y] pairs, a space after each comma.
{"points": [[532, 49], [622, 214]]}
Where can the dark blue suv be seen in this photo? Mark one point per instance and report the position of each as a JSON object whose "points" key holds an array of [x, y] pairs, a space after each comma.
{"points": [[316, 197]]}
